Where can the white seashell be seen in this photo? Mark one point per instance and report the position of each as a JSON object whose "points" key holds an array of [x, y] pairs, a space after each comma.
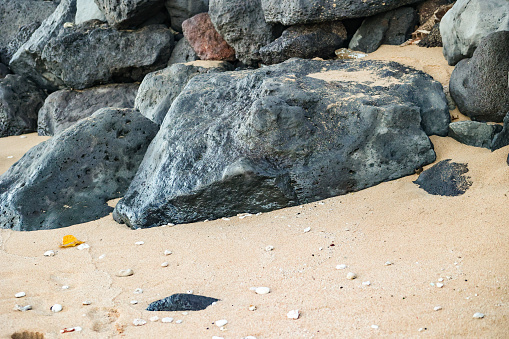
{"points": [[351, 276], [216, 337], [269, 248], [22, 136], [252, 308], [10, 156], [293, 314], [125, 273], [178, 322], [221, 323], [56, 308], [437, 308], [68, 24], [77, 329], [139, 322], [440, 285], [49, 253], [262, 290], [388, 263], [341, 267], [138, 291], [374, 327], [185, 313], [20, 294], [440, 279], [189, 291], [167, 252], [420, 329], [154, 318], [249, 337], [225, 219], [167, 320], [22, 308], [165, 264], [139, 243], [366, 283], [307, 229], [102, 256], [134, 302], [65, 287], [87, 302], [83, 246], [478, 315]]}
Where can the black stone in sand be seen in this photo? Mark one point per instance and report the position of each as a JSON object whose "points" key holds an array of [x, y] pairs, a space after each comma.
{"points": [[182, 302], [445, 178]]}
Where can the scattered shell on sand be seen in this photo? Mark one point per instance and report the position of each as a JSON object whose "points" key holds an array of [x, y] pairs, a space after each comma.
{"points": [[341, 267], [252, 308], [269, 248], [437, 308], [83, 246], [225, 219], [134, 302], [20, 294], [221, 323], [262, 290], [366, 283], [293, 314], [22, 308], [65, 287], [167, 320], [22, 136], [374, 327], [440, 279], [49, 253], [102, 256], [351, 276], [189, 291], [388, 263], [167, 252], [439, 285], [165, 264], [138, 291], [139, 243], [10, 156], [478, 315], [154, 318], [249, 337], [125, 273], [56, 308], [139, 322], [307, 229], [87, 302], [216, 337], [178, 322]]}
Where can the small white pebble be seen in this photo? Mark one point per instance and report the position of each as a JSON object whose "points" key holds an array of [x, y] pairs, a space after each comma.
{"points": [[448, 277], [178, 322], [440, 285], [366, 283], [440, 279], [20, 294], [351, 276], [139, 243], [478, 315], [86, 302], [154, 318], [374, 327], [10, 156], [83, 246], [139, 322], [320, 248], [49, 253], [138, 291], [134, 302], [22, 308], [476, 295], [293, 314], [252, 308], [221, 323], [167, 320], [262, 290], [65, 287], [77, 329], [102, 256], [432, 284], [22, 136], [225, 219], [420, 329], [437, 308], [307, 229], [185, 313], [170, 224], [341, 267], [125, 273], [56, 308], [167, 252], [189, 291], [216, 337], [388, 263], [165, 264], [269, 248]]}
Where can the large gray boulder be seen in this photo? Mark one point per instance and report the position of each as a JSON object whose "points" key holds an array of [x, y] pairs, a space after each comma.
{"points": [[242, 24], [129, 13], [389, 28], [291, 133], [159, 89], [292, 12], [92, 54], [468, 21], [17, 18], [27, 58], [305, 41], [182, 53], [181, 10], [20, 100], [69, 178], [479, 85], [64, 108], [88, 10]]}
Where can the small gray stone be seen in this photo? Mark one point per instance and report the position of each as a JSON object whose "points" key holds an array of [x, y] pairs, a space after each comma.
{"points": [[445, 178], [474, 133]]}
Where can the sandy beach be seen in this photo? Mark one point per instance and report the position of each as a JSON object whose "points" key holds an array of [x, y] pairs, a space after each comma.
{"points": [[461, 242]]}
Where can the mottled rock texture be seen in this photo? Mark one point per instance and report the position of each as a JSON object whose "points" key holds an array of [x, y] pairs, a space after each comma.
{"points": [[181, 10], [129, 13], [445, 178], [474, 133], [182, 53], [182, 302]]}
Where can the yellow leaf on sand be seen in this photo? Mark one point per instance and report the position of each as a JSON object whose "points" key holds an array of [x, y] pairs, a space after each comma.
{"points": [[70, 241]]}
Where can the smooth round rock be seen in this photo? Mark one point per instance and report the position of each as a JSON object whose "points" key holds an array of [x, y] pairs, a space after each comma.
{"points": [[125, 273], [20, 294], [56, 308]]}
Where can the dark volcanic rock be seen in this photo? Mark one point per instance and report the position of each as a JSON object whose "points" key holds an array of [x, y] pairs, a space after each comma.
{"points": [[445, 178], [468, 22], [69, 178], [205, 40], [159, 89], [292, 133], [64, 108], [501, 139], [4, 70], [182, 53], [426, 9], [20, 100], [474, 133], [129, 13], [18, 20], [182, 302], [479, 85], [305, 41], [292, 12], [92, 54], [433, 39], [390, 28], [242, 25], [181, 10]]}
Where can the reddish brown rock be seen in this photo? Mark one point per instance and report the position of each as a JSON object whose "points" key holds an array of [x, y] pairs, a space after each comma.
{"points": [[205, 40]]}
